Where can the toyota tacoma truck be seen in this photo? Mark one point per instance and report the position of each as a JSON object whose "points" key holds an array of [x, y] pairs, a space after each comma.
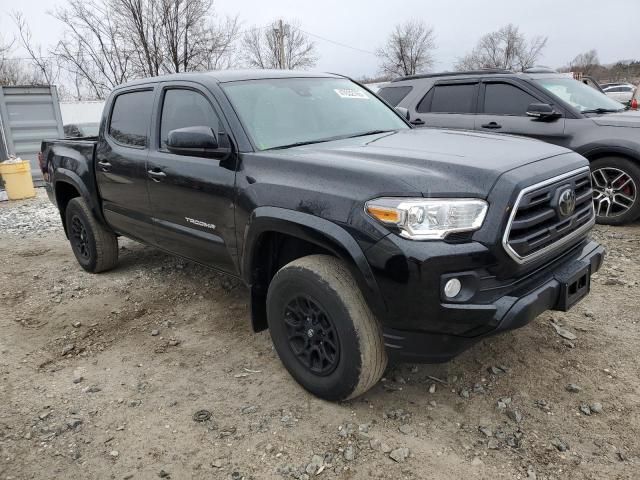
{"points": [[359, 237]]}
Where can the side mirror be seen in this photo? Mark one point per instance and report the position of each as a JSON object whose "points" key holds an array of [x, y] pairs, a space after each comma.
{"points": [[196, 142], [404, 112], [543, 111]]}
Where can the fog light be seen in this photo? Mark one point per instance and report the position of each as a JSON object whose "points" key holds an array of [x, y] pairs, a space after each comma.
{"points": [[452, 287]]}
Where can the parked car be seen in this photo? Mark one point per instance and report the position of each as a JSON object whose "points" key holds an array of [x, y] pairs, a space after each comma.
{"points": [[547, 106], [359, 238], [620, 93], [80, 130], [612, 84], [374, 87], [590, 82], [635, 99]]}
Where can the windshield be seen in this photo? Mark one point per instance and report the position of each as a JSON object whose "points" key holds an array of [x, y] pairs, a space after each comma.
{"points": [[283, 112], [579, 95]]}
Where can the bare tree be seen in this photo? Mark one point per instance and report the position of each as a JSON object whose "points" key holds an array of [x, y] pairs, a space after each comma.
{"points": [[183, 32], [279, 45], [108, 42], [587, 63], [193, 38], [46, 69], [506, 48], [15, 71], [221, 47], [409, 49], [6, 65], [140, 24], [92, 46]]}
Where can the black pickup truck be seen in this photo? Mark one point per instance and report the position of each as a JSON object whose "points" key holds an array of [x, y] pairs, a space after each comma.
{"points": [[359, 237]]}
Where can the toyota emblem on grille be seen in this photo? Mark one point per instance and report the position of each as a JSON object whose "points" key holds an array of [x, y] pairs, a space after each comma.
{"points": [[567, 203]]}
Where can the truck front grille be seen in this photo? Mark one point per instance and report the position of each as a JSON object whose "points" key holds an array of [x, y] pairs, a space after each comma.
{"points": [[542, 218]]}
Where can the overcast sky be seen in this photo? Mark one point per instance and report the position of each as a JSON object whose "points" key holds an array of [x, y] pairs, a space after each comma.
{"points": [[612, 27]]}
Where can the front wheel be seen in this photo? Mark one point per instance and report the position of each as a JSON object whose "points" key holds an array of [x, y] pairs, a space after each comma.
{"points": [[324, 332], [616, 195]]}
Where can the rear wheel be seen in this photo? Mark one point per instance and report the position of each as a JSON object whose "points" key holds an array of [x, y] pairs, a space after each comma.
{"points": [[616, 190], [324, 332], [95, 247]]}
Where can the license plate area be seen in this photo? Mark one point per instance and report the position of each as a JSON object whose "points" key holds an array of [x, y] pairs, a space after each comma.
{"points": [[575, 283]]}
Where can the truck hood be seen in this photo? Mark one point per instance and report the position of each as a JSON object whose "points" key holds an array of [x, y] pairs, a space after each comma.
{"points": [[434, 162], [628, 118]]}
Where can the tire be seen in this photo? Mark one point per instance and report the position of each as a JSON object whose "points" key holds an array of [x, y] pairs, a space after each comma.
{"points": [[95, 247], [616, 202], [322, 286]]}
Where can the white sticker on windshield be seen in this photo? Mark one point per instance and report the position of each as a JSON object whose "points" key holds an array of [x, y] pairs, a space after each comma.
{"points": [[348, 93]]}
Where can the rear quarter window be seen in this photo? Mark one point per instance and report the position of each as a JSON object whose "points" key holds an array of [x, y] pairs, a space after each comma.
{"points": [[130, 118], [394, 95]]}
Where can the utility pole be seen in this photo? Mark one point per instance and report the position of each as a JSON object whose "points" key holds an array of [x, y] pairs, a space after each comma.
{"points": [[280, 31]]}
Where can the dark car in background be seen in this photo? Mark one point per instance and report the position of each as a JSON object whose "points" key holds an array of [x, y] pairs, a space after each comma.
{"points": [[546, 105], [81, 130]]}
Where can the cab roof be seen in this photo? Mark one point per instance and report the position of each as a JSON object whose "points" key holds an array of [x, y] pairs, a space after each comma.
{"points": [[532, 73], [224, 76]]}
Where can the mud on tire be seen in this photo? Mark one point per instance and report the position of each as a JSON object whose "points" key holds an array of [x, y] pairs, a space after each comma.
{"points": [[324, 332], [95, 247]]}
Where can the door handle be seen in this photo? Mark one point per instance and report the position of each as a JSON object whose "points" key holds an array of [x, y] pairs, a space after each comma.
{"points": [[156, 174], [104, 165], [492, 125], [417, 121]]}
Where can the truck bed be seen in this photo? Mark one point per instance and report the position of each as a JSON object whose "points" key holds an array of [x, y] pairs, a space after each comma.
{"points": [[70, 160]]}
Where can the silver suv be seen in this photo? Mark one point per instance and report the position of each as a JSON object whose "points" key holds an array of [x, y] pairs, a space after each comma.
{"points": [[542, 104]]}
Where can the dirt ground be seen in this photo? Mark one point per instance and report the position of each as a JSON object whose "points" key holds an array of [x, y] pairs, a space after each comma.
{"points": [[101, 375]]}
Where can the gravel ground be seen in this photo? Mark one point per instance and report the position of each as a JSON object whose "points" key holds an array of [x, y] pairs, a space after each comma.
{"points": [[151, 371]]}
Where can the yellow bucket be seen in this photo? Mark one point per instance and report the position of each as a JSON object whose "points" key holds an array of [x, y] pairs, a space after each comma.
{"points": [[17, 180]]}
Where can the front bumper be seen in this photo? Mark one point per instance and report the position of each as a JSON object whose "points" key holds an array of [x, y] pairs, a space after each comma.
{"points": [[500, 305]]}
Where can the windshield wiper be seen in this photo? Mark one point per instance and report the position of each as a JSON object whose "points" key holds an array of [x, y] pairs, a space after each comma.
{"points": [[299, 144], [602, 110], [370, 132], [330, 139]]}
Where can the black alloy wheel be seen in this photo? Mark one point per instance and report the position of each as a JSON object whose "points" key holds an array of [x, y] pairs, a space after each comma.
{"points": [[94, 246], [79, 237], [312, 335]]}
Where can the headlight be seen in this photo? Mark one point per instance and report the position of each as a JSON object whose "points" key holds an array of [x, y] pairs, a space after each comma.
{"points": [[428, 218]]}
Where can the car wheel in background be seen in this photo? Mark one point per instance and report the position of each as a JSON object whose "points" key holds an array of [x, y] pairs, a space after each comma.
{"points": [[616, 190], [324, 332], [95, 247]]}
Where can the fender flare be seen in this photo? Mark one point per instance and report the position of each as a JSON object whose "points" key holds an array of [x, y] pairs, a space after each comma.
{"points": [[64, 175], [613, 150], [318, 231]]}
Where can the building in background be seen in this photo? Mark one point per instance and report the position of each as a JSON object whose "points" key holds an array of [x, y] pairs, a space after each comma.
{"points": [[28, 114]]}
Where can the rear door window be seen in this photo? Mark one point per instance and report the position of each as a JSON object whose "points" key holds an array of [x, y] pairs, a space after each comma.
{"points": [[130, 118], [453, 98], [506, 99], [394, 95]]}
